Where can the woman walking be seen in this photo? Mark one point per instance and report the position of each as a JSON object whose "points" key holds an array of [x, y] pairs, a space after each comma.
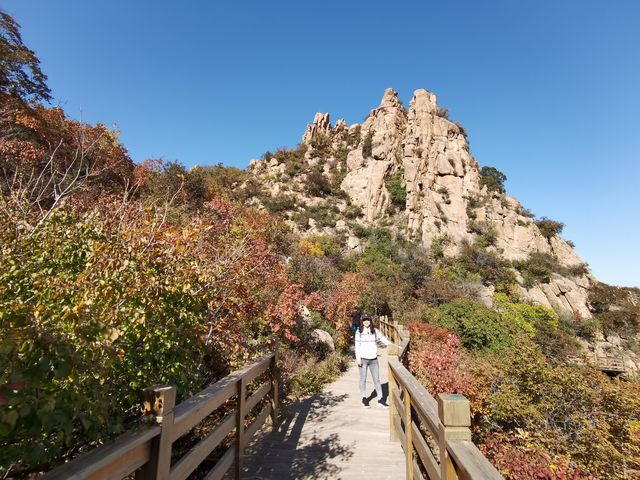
{"points": [[367, 337]]}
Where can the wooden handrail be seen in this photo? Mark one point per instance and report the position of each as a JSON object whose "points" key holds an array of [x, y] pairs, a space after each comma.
{"points": [[434, 434], [147, 452]]}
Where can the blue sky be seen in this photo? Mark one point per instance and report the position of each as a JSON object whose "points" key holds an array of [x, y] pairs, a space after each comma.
{"points": [[548, 90]]}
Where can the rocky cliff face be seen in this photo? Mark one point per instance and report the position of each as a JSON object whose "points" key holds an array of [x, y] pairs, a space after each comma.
{"points": [[442, 193]]}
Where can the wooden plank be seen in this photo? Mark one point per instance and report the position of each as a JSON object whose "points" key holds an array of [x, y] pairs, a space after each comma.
{"points": [[274, 389], [416, 472], [424, 453], [400, 434], [257, 422], [258, 370], [469, 462], [258, 395], [197, 454], [393, 411], [223, 465], [397, 401], [192, 411], [123, 456], [408, 431], [404, 347], [242, 412]]}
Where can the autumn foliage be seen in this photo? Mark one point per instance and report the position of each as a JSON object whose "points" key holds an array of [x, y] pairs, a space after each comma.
{"points": [[343, 300], [436, 360]]}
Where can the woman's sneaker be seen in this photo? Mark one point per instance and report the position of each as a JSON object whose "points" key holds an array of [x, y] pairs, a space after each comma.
{"points": [[382, 404], [365, 402]]}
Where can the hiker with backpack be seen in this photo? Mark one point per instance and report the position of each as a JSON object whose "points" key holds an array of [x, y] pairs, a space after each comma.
{"points": [[366, 339]]}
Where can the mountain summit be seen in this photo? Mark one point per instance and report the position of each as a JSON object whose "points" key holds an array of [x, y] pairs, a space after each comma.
{"points": [[411, 172]]}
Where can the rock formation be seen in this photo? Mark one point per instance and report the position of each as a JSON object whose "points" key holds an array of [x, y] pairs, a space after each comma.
{"points": [[445, 194]]}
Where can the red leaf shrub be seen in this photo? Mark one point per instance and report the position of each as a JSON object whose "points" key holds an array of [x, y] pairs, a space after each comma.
{"points": [[436, 361]]}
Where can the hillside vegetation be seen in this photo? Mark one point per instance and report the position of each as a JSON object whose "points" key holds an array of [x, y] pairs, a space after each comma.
{"points": [[115, 276]]}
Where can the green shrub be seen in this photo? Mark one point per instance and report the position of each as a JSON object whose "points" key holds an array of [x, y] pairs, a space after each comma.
{"points": [[615, 308], [293, 158], [361, 231], [250, 190], [281, 203], [588, 328], [317, 184], [379, 255], [325, 213], [487, 234], [527, 318], [313, 375], [538, 267], [625, 322], [397, 191], [577, 270], [525, 212], [352, 212], [438, 244], [437, 291], [476, 259], [493, 179], [442, 112], [367, 145], [462, 130], [321, 146], [471, 212], [548, 228], [339, 168], [479, 328]]}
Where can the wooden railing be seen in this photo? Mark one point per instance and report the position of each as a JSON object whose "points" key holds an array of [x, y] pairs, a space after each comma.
{"points": [[434, 434], [609, 363], [147, 452]]}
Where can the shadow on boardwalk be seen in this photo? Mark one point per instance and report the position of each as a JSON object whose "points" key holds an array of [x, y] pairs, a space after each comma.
{"points": [[282, 453]]}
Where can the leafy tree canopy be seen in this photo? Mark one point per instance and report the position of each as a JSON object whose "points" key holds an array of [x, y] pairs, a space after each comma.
{"points": [[20, 73], [493, 178]]}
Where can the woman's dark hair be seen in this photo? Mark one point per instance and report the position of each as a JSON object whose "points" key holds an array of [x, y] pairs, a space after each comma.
{"points": [[366, 316]]}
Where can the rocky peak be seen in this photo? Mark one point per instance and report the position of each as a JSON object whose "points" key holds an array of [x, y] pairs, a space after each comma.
{"points": [[423, 103], [413, 172], [390, 100], [321, 125]]}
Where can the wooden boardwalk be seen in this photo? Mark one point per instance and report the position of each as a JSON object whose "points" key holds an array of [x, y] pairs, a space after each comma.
{"points": [[329, 436]]}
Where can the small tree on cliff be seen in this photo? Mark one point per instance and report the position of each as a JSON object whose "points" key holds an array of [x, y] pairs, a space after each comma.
{"points": [[493, 179]]}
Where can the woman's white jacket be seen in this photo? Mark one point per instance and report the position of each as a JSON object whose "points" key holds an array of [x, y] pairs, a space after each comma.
{"points": [[366, 346]]}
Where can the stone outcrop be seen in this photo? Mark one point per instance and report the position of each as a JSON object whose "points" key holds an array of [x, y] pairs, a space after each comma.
{"points": [[442, 181], [562, 295], [445, 195], [321, 125]]}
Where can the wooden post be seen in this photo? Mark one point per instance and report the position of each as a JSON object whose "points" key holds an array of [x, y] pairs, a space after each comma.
{"points": [[396, 337], [408, 434], [242, 392], [455, 419], [159, 401], [274, 389], [393, 412]]}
